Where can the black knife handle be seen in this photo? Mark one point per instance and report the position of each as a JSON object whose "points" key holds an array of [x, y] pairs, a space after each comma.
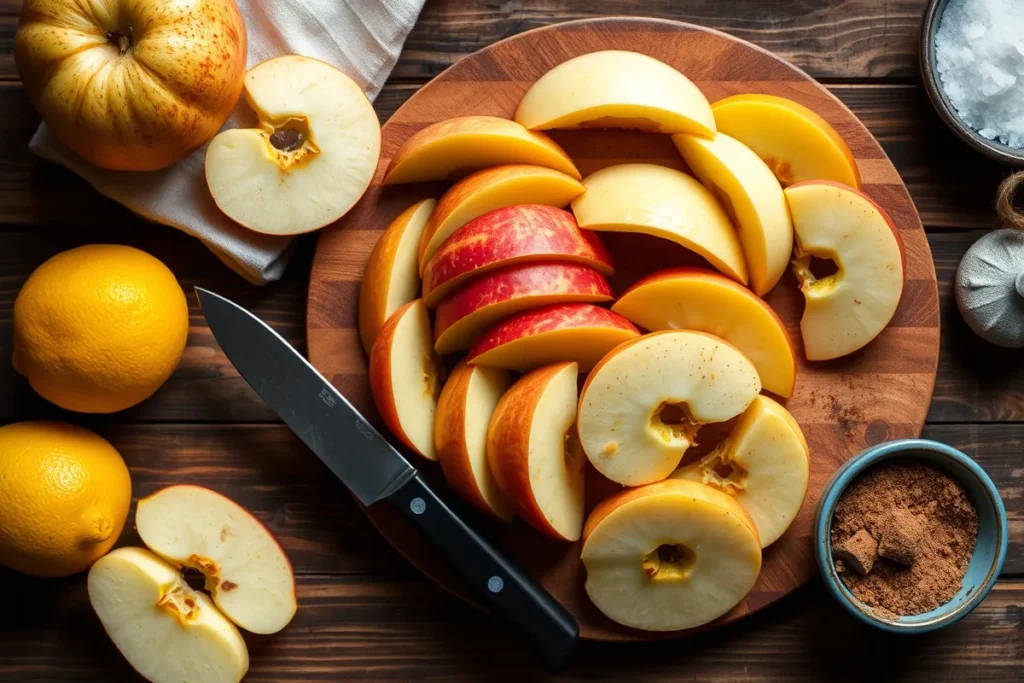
{"points": [[501, 585]]}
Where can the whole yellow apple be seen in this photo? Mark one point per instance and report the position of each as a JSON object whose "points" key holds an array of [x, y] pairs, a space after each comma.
{"points": [[132, 85]]}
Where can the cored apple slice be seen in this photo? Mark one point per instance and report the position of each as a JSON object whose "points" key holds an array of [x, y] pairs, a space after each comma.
{"points": [[796, 143], [669, 556], [582, 333], [702, 300], [463, 414], [764, 464], [406, 377], [463, 316], [494, 188], [616, 89], [534, 454], [453, 146], [247, 573], [168, 632], [391, 279], [665, 203], [751, 196], [508, 236], [310, 160], [643, 404], [849, 308]]}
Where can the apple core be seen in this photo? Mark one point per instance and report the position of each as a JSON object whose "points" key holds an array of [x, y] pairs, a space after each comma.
{"points": [[674, 423], [179, 602], [669, 562]]}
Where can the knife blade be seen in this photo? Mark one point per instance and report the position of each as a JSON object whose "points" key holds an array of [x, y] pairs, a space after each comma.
{"points": [[374, 471]]}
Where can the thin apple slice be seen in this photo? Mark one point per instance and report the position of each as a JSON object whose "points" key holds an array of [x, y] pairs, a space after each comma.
{"points": [[494, 188], [582, 333], [406, 377], [846, 310], [391, 278], [465, 315], [616, 89], [764, 464], [247, 573], [534, 454], [311, 158], [665, 203], [643, 404], [464, 411], [701, 300], [454, 146], [168, 632]]}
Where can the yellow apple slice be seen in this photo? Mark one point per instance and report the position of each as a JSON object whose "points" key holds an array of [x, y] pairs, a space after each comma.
{"points": [[702, 300], [764, 464], [669, 556], [643, 404], [391, 278], [616, 89], [665, 203], [751, 196], [456, 146], [849, 308], [534, 453], [406, 376], [464, 411], [310, 160], [796, 143]]}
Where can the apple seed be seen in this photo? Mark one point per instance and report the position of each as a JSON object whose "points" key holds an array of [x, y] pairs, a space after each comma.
{"points": [[287, 140]]}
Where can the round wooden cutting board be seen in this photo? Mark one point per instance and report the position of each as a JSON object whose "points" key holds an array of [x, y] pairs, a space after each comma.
{"points": [[877, 394]]}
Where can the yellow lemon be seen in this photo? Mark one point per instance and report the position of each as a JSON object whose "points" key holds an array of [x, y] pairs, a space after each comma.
{"points": [[99, 328], [64, 497]]}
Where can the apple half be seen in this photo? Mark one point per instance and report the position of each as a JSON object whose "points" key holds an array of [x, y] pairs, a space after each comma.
{"points": [[534, 454], [847, 309], [669, 556], [643, 404], [764, 464], [616, 89], [247, 573], [665, 203], [705, 301], [312, 156]]}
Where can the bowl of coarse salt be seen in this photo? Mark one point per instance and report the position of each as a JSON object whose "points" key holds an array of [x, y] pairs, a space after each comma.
{"points": [[972, 61]]}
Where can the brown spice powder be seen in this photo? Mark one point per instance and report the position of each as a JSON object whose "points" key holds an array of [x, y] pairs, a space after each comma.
{"points": [[950, 524]]}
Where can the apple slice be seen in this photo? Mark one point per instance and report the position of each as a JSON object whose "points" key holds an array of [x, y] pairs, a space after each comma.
{"points": [[793, 141], [512, 235], [247, 574], [643, 404], [616, 89], [406, 377], [454, 146], [463, 316], [764, 464], [704, 301], [669, 556], [494, 188], [391, 278], [463, 413], [665, 203], [311, 158], [751, 196], [168, 632], [534, 453], [849, 308]]}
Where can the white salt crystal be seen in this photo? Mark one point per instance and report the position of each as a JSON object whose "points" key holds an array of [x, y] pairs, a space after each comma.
{"points": [[979, 55]]}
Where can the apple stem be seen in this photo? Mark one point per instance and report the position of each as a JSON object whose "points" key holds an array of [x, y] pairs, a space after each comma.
{"points": [[1018, 283], [120, 38]]}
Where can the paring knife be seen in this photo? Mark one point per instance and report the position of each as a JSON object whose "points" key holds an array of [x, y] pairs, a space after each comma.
{"points": [[374, 471]]}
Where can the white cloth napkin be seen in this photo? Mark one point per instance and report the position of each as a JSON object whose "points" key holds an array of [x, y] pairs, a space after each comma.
{"points": [[363, 38]]}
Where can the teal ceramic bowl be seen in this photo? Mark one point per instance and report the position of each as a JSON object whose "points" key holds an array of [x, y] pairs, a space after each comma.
{"points": [[989, 553]]}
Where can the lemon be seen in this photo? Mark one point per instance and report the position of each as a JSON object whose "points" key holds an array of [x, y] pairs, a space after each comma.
{"points": [[64, 497], [99, 328]]}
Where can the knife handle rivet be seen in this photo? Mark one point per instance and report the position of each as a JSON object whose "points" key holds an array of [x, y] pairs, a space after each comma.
{"points": [[418, 506], [495, 584]]}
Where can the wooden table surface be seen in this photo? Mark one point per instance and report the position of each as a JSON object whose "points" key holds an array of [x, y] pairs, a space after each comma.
{"points": [[364, 614]]}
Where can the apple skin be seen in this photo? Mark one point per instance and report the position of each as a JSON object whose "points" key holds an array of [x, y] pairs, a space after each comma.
{"points": [[507, 236]]}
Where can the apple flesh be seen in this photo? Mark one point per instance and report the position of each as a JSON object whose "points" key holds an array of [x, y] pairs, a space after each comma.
{"points": [[311, 158]]}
